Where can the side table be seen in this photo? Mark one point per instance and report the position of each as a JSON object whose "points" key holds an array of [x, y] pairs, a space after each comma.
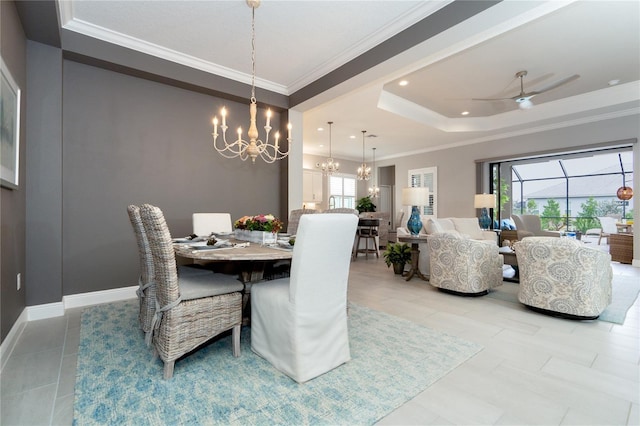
{"points": [[415, 254]]}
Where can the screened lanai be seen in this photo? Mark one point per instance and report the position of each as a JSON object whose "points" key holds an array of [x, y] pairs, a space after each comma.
{"points": [[567, 191]]}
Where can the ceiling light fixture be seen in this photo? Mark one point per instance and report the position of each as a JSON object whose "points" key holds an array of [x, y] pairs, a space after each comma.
{"points": [[464, 113], [403, 83], [269, 152], [329, 167], [364, 171], [374, 191]]}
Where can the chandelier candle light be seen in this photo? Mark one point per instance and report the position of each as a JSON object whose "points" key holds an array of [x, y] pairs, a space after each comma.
{"points": [[415, 197], [374, 191], [484, 202], [269, 152], [364, 171], [329, 167]]}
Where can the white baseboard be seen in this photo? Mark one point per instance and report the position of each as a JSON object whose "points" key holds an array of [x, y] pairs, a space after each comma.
{"points": [[57, 309], [635, 263], [10, 340], [98, 297]]}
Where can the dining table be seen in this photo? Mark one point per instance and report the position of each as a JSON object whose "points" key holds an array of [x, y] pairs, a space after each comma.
{"points": [[250, 260], [250, 257]]}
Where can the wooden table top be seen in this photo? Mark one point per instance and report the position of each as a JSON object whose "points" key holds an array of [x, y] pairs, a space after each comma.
{"points": [[253, 251], [414, 239]]}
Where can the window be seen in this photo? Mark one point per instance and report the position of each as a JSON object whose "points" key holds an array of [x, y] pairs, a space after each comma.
{"points": [[342, 191], [427, 177], [568, 191]]}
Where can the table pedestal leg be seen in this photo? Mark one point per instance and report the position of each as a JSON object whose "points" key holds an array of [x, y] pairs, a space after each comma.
{"points": [[415, 256]]}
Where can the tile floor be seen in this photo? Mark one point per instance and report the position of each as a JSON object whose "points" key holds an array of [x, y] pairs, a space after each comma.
{"points": [[534, 369]]}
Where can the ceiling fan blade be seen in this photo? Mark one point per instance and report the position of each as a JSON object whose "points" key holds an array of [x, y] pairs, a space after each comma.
{"points": [[491, 99], [554, 85]]}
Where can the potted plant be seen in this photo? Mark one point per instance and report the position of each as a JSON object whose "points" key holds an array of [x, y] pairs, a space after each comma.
{"points": [[397, 254], [365, 205]]}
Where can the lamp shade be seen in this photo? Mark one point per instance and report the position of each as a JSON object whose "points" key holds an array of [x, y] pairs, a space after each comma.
{"points": [[484, 201], [625, 193], [415, 196]]}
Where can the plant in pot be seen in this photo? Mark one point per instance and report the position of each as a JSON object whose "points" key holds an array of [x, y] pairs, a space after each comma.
{"points": [[365, 205], [397, 254]]}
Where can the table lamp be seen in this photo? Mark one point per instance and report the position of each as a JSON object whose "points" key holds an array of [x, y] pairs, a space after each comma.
{"points": [[484, 202], [415, 197]]}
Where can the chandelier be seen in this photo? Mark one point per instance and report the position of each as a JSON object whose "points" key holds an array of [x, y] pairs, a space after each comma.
{"points": [[374, 191], [329, 167], [254, 147], [364, 171]]}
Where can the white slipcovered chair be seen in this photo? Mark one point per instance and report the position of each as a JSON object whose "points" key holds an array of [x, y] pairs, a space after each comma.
{"points": [[562, 276], [206, 223], [299, 324], [464, 266], [531, 223]]}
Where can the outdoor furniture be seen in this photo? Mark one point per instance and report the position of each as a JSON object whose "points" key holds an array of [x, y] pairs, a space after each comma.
{"points": [[299, 324], [608, 227], [563, 276], [621, 248], [190, 310], [463, 266], [531, 223]]}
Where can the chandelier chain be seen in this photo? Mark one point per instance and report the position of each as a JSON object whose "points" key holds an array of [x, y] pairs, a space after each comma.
{"points": [[252, 147]]}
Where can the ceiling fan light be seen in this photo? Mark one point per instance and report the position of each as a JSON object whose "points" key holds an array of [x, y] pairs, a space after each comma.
{"points": [[525, 104]]}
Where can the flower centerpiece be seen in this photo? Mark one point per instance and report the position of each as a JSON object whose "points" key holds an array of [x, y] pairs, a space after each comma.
{"points": [[262, 228]]}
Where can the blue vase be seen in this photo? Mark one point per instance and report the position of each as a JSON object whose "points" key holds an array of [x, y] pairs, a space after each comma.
{"points": [[485, 220], [414, 224]]}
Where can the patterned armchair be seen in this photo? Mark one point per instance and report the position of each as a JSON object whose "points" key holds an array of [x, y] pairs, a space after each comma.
{"points": [[562, 276], [461, 265]]}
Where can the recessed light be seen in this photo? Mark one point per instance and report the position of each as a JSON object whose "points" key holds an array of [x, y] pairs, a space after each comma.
{"points": [[320, 129], [352, 137], [613, 82], [321, 146], [403, 82], [464, 113]]}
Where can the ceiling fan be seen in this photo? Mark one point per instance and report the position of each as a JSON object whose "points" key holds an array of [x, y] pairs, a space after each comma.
{"points": [[523, 99]]}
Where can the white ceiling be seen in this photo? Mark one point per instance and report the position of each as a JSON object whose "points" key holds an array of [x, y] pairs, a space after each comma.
{"points": [[298, 42]]}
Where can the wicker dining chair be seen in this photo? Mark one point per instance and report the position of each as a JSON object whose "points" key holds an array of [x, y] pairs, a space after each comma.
{"points": [[191, 309], [146, 287], [294, 219]]}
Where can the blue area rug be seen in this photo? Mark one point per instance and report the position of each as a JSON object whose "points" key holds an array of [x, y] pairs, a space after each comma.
{"points": [[118, 382], [624, 292]]}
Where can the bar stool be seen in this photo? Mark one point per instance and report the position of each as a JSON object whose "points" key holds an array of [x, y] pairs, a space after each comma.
{"points": [[367, 229]]}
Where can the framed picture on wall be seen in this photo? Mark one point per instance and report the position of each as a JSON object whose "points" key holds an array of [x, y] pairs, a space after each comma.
{"points": [[9, 128]]}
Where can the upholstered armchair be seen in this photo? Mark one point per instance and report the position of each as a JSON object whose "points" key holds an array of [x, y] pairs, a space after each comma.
{"points": [[461, 265], [563, 276], [530, 223], [299, 323]]}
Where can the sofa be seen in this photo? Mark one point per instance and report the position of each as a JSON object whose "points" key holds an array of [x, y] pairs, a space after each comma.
{"points": [[464, 226], [563, 277]]}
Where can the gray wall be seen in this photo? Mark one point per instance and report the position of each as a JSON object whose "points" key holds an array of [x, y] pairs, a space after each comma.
{"points": [[13, 201], [127, 140]]}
